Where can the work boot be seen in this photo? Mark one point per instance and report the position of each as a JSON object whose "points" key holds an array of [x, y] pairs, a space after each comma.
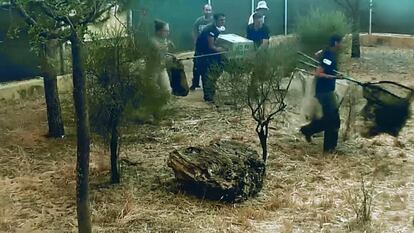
{"points": [[193, 88], [308, 137]]}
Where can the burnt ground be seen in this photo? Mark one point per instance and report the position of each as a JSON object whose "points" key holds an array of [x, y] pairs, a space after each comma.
{"points": [[305, 191]]}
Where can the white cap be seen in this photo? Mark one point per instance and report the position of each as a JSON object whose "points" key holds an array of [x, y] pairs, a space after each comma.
{"points": [[262, 5]]}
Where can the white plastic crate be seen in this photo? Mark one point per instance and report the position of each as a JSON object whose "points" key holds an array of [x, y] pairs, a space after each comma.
{"points": [[237, 46]]}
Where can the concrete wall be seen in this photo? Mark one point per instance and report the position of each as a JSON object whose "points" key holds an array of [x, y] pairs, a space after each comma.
{"points": [[34, 87], [391, 40]]}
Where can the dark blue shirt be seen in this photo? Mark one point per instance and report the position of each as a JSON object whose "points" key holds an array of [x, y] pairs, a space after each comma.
{"points": [[257, 36], [202, 40], [329, 65]]}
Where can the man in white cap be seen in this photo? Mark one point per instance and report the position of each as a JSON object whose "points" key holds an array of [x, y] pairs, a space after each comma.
{"points": [[261, 8]]}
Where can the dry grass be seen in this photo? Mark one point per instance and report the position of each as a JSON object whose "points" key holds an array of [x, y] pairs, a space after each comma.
{"points": [[304, 191]]}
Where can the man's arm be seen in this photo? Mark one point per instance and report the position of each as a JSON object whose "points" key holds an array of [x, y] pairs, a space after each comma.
{"points": [[212, 45], [195, 31], [266, 39], [320, 73], [171, 46]]}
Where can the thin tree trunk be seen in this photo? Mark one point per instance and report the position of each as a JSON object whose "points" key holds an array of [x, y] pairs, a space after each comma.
{"points": [[115, 177], [61, 58], [356, 45], [83, 136], [262, 133], [54, 113]]}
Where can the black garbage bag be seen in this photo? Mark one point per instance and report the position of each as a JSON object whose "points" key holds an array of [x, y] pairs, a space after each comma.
{"points": [[387, 109], [178, 78]]}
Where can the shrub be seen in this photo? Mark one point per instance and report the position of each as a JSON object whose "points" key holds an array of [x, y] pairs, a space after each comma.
{"points": [[260, 85], [122, 79], [315, 29]]}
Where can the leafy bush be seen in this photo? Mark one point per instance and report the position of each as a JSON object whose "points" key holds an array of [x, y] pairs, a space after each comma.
{"points": [[260, 84], [315, 29], [122, 79]]}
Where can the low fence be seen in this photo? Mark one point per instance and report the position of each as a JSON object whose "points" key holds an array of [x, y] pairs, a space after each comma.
{"points": [[26, 89]]}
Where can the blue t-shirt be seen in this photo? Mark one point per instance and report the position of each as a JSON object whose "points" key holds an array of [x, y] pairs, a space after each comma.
{"points": [[329, 65], [257, 36], [202, 40]]}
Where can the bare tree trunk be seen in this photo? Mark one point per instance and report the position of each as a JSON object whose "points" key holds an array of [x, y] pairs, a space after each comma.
{"points": [[54, 113], [261, 131], [356, 26], [115, 177], [83, 136], [356, 45], [61, 58]]}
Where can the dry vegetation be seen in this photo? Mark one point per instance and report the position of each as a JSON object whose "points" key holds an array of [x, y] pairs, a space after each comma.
{"points": [[304, 191]]}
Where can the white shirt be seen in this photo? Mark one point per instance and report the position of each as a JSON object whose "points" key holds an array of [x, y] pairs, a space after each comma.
{"points": [[251, 18]]}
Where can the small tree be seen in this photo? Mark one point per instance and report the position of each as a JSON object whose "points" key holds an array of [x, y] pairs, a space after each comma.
{"points": [[42, 33], [121, 80], [315, 29], [352, 9], [72, 18], [261, 86]]}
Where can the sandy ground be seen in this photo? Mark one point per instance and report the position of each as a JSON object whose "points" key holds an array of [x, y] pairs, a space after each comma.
{"points": [[305, 191]]}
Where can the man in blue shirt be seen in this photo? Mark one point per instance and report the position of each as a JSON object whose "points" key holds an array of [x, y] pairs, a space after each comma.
{"points": [[210, 66], [198, 27], [258, 32], [325, 93]]}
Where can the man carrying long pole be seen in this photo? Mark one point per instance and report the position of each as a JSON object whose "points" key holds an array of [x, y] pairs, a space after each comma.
{"points": [[325, 93], [210, 67]]}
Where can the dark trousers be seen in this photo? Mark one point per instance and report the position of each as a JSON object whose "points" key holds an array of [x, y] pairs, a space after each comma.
{"points": [[210, 70], [329, 123], [196, 74]]}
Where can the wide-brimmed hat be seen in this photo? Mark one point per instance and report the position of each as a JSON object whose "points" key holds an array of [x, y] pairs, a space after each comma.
{"points": [[262, 5]]}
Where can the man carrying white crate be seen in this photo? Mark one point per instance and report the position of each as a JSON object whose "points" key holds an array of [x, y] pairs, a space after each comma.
{"points": [[258, 32], [209, 61]]}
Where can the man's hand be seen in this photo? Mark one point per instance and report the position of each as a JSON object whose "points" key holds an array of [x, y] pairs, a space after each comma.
{"points": [[221, 49], [340, 76]]}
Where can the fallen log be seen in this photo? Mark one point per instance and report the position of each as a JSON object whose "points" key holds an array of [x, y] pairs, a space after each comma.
{"points": [[225, 170]]}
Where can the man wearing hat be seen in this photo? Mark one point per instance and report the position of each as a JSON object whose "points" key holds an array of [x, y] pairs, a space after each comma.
{"points": [[261, 8]]}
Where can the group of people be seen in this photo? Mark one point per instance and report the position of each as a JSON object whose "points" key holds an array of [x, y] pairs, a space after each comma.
{"points": [[208, 64]]}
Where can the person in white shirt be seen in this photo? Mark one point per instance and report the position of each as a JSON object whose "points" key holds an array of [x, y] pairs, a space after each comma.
{"points": [[163, 45], [261, 8]]}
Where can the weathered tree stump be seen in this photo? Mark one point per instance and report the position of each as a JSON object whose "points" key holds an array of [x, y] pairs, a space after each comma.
{"points": [[224, 170]]}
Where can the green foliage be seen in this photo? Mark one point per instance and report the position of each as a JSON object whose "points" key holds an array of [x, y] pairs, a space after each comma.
{"points": [[262, 76], [260, 84], [122, 79], [315, 29]]}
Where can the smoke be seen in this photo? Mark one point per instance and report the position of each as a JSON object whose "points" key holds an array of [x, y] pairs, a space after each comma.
{"points": [[310, 107]]}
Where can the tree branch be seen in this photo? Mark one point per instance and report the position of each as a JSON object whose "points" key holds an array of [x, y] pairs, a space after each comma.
{"points": [[22, 12], [94, 16]]}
